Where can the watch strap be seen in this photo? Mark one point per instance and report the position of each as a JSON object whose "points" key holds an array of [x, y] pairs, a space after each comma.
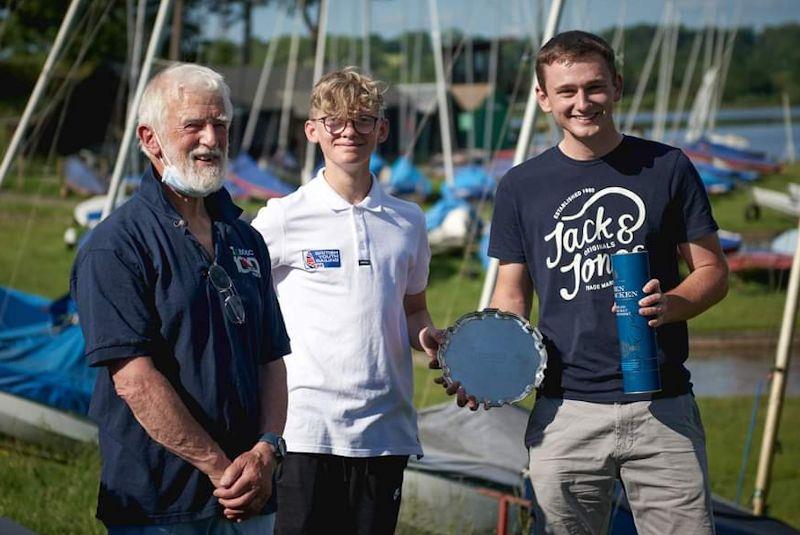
{"points": [[277, 443]]}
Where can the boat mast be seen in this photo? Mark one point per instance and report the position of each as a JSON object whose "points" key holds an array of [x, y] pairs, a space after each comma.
{"points": [[135, 67], [687, 82], [522, 143], [130, 123], [288, 85], [665, 71], [723, 76], [791, 153], [488, 119], [319, 63], [366, 22], [778, 390], [648, 67], [263, 81], [38, 89], [441, 95]]}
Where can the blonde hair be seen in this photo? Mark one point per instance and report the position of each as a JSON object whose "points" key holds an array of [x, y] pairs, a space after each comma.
{"points": [[346, 91]]}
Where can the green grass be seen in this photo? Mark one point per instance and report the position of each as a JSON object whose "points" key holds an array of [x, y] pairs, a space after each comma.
{"points": [[726, 421], [49, 491]]}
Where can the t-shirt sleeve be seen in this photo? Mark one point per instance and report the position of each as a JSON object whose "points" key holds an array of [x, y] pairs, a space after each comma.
{"points": [[274, 327], [114, 306], [418, 277], [505, 236], [698, 220], [278, 345], [269, 222]]}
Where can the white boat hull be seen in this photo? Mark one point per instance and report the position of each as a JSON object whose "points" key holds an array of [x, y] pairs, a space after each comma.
{"points": [[33, 422]]}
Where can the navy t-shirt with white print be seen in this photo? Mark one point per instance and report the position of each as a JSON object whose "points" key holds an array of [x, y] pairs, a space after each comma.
{"points": [[564, 218]]}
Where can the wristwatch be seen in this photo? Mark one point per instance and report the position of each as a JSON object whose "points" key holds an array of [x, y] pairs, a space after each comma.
{"points": [[277, 443]]}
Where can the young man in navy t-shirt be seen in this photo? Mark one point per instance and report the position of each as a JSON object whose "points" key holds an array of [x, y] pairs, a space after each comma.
{"points": [[557, 219]]}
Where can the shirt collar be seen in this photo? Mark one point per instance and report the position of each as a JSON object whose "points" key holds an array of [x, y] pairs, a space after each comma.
{"points": [[219, 204], [372, 202]]}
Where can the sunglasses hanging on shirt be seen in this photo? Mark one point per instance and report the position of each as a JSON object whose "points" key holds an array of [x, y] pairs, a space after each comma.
{"points": [[234, 309]]}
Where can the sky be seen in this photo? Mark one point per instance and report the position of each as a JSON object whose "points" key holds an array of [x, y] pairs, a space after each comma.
{"points": [[518, 17]]}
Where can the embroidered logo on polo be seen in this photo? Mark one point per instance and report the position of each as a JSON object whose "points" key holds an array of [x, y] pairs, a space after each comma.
{"points": [[246, 261], [589, 226], [314, 259]]}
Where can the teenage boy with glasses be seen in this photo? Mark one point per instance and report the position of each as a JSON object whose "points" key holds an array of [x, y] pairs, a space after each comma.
{"points": [[350, 265]]}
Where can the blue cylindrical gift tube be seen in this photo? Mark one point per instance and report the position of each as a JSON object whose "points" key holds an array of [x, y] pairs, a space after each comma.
{"points": [[637, 340]]}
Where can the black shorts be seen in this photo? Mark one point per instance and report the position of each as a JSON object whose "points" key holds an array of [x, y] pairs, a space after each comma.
{"points": [[319, 493]]}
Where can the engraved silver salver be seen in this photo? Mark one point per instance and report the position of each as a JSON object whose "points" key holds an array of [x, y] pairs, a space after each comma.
{"points": [[498, 357]]}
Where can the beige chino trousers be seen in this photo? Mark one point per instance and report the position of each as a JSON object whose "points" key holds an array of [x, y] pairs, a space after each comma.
{"points": [[656, 448]]}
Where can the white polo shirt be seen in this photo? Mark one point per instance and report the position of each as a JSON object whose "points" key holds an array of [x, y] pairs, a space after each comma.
{"points": [[341, 272]]}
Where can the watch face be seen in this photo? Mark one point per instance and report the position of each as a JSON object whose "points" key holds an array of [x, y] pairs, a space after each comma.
{"points": [[280, 446]]}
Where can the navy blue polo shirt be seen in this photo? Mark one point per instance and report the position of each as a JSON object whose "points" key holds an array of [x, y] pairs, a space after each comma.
{"points": [[142, 288], [564, 218]]}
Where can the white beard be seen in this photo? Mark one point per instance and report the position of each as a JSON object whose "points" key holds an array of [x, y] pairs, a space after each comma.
{"points": [[205, 179]]}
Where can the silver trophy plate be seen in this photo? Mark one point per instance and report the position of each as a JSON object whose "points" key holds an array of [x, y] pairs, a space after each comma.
{"points": [[498, 357]]}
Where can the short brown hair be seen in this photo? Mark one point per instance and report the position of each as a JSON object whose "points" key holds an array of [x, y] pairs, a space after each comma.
{"points": [[570, 46], [346, 91]]}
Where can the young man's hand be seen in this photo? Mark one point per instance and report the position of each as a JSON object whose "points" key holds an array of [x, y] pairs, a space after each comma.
{"points": [[430, 338], [654, 304], [462, 397]]}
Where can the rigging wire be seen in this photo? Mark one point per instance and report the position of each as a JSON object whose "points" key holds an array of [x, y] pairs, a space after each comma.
{"points": [[66, 85], [56, 96]]}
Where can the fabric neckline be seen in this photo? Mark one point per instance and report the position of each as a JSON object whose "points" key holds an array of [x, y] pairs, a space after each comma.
{"points": [[589, 163], [372, 202]]}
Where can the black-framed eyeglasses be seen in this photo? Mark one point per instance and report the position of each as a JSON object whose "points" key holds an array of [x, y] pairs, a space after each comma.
{"points": [[234, 309], [363, 124]]}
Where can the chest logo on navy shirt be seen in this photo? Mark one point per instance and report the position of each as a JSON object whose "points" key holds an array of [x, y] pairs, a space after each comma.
{"points": [[584, 236], [314, 259], [246, 261]]}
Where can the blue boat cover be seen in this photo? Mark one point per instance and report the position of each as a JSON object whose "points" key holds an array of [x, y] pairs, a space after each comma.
{"points": [[285, 159], [436, 214], [729, 241], [483, 247], [41, 351], [376, 163], [731, 152], [470, 182], [715, 183], [235, 191], [747, 176], [257, 182], [406, 179], [81, 178], [785, 242]]}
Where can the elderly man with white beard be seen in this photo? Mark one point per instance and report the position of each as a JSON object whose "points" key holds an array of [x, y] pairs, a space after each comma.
{"points": [[176, 304]]}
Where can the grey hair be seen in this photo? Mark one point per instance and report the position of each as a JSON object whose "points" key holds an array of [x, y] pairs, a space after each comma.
{"points": [[170, 84]]}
